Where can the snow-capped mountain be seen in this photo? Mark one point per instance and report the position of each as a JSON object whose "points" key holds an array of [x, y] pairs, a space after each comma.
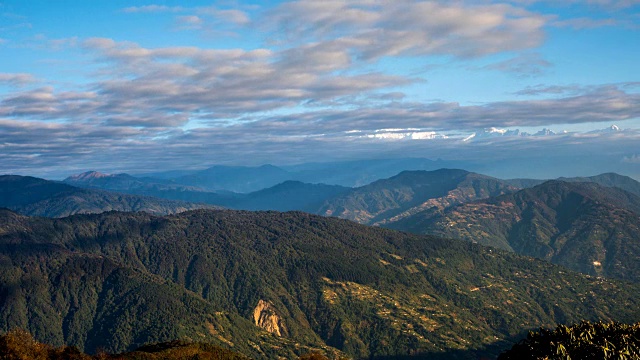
{"points": [[608, 130], [494, 132]]}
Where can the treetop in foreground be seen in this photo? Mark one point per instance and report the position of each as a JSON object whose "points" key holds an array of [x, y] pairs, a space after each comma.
{"points": [[586, 340]]}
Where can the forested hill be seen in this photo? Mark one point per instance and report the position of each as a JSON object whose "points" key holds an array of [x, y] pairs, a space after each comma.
{"points": [[583, 226], [38, 197], [390, 200], [275, 284], [607, 180]]}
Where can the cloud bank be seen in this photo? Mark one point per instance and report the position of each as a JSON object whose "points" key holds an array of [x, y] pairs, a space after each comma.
{"points": [[312, 89]]}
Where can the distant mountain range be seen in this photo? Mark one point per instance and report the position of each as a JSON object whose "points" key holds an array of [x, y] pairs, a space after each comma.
{"points": [[608, 179], [160, 188], [377, 203], [583, 226], [38, 197], [246, 179], [271, 284], [363, 172], [236, 178], [125, 183], [449, 202], [288, 196]]}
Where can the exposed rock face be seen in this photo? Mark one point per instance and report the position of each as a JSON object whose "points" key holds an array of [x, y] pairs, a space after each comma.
{"points": [[265, 316]]}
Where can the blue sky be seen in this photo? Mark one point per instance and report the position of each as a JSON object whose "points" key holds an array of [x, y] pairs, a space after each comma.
{"points": [[132, 86]]}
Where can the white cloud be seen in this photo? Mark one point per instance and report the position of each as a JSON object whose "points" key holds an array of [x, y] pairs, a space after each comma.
{"points": [[189, 22], [16, 79], [302, 97], [373, 29], [234, 16], [396, 134], [166, 86]]}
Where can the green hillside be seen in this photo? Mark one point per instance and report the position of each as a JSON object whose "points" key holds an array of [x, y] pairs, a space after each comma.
{"points": [[583, 226], [410, 192], [309, 282]]}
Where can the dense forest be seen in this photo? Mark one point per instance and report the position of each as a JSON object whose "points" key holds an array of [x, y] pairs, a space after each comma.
{"points": [[116, 281]]}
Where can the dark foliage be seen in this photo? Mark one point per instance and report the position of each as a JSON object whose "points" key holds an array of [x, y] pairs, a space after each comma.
{"points": [[20, 345], [584, 341]]}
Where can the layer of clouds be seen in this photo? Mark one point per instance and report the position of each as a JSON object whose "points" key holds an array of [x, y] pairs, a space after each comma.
{"points": [[167, 86], [594, 13], [373, 29], [80, 147], [310, 94], [606, 103], [193, 15]]}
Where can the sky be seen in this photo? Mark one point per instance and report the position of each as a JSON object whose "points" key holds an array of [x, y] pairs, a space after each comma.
{"points": [[524, 88]]}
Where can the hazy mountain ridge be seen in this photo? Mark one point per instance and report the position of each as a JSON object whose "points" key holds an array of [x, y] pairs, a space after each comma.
{"points": [[240, 179], [583, 226], [606, 179], [159, 188], [39, 197], [286, 196], [610, 180], [366, 291], [390, 200], [363, 172], [125, 183], [246, 179], [289, 196]]}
